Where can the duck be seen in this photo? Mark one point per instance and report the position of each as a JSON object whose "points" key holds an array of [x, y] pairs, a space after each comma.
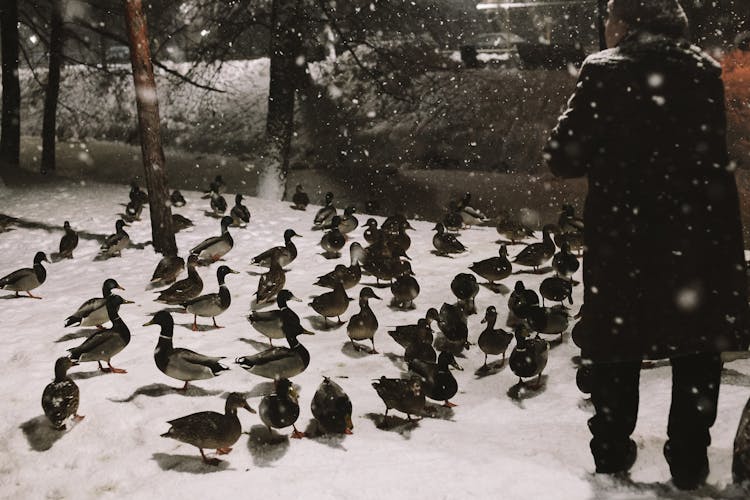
{"points": [[574, 241], [395, 223], [26, 278], [285, 254], [281, 362], [452, 220], [564, 263], [269, 323], [68, 242], [218, 203], [210, 429], [495, 268], [61, 397], [331, 304], [465, 287], [333, 240], [452, 323], [446, 243], [493, 341], [332, 408], [364, 324], [325, 214], [239, 212], [348, 222], [405, 288], [217, 185], [137, 196], [556, 289], [93, 312], [372, 234], [385, 265], [211, 304], [281, 409], [177, 199], [181, 364], [520, 302], [300, 200], [470, 215], [180, 222], [168, 268], [401, 394], [103, 345], [186, 288], [347, 276], [549, 320], [214, 248], [270, 283], [115, 243], [398, 238], [536, 254], [568, 222], [438, 382], [133, 211], [405, 335], [513, 230], [421, 350], [529, 356]]}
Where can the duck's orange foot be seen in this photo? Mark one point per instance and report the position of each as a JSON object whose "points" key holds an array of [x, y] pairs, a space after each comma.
{"points": [[448, 404], [78, 418], [297, 434], [223, 451], [348, 431]]}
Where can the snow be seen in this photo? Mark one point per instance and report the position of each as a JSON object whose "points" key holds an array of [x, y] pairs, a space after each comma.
{"points": [[490, 446]]}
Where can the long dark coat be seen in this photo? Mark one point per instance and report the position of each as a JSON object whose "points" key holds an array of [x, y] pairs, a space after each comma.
{"points": [[663, 269]]}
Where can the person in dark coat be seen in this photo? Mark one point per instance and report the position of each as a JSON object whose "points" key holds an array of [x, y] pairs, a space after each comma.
{"points": [[663, 269]]}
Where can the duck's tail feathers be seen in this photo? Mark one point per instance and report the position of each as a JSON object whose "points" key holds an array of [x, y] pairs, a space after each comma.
{"points": [[72, 320]]}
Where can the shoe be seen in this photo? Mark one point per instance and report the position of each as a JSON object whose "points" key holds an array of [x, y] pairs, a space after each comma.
{"points": [[609, 461], [689, 468]]}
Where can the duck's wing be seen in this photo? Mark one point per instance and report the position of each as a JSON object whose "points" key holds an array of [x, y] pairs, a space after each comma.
{"points": [[89, 306], [16, 276], [187, 361], [96, 343], [205, 244], [204, 423], [271, 252], [202, 298], [267, 356]]}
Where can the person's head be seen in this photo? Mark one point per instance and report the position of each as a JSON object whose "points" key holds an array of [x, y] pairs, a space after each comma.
{"points": [[660, 17]]}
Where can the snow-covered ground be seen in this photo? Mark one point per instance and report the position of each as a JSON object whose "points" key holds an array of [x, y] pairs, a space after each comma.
{"points": [[490, 446]]}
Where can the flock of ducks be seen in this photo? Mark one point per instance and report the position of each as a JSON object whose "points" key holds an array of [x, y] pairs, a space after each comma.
{"points": [[429, 354]]}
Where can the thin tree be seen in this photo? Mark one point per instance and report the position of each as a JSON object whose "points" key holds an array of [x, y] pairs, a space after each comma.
{"points": [[162, 231], [10, 138], [52, 89]]}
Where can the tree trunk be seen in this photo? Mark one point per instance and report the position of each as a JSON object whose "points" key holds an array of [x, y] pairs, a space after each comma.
{"points": [[10, 138], [162, 231], [52, 91], [286, 69]]}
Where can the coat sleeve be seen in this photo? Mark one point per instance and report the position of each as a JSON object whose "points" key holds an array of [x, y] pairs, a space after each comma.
{"points": [[576, 137]]}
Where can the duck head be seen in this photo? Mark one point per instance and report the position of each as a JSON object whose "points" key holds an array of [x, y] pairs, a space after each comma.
{"points": [[285, 296], [432, 315], [109, 285], [236, 400], [446, 359], [371, 223], [329, 198], [519, 286], [192, 260], [222, 272], [348, 211], [290, 233], [367, 293], [226, 221], [66, 226], [285, 389], [120, 224], [40, 257], [490, 315], [238, 199], [164, 320], [335, 221], [439, 227], [62, 365]]}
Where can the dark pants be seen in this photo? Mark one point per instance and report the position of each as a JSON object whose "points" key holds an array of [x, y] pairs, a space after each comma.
{"points": [[695, 392]]}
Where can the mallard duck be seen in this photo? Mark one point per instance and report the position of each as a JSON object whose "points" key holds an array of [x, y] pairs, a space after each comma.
{"points": [[281, 409], [93, 312], [438, 382], [536, 254], [285, 254], [331, 304], [27, 278], [333, 240], [405, 288], [209, 429], [347, 276], [177, 199], [372, 234], [281, 362], [495, 268], [513, 230], [348, 222], [181, 364], [185, 289], [211, 305], [520, 302], [400, 394], [452, 220], [420, 350], [168, 268], [406, 335], [270, 283], [395, 223], [269, 322], [136, 194], [556, 289], [493, 341], [300, 199], [180, 222], [529, 356], [445, 243], [332, 408], [549, 320], [364, 324], [115, 243], [465, 287], [133, 211], [103, 345], [218, 203], [452, 322], [470, 215], [68, 242], [568, 222], [214, 248], [239, 212], [325, 214], [564, 263], [60, 398]]}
